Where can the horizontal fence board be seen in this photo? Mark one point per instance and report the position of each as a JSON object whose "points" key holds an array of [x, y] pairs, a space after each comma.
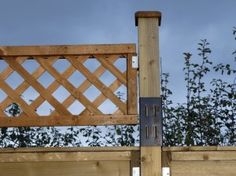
{"points": [[204, 156], [203, 168], [91, 168], [200, 148], [61, 120], [65, 156], [67, 149], [67, 50]]}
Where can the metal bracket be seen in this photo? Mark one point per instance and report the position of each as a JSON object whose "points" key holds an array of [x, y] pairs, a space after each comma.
{"points": [[134, 61], [150, 121]]}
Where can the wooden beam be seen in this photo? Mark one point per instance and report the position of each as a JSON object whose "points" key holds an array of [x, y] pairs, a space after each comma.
{"points": [[67, 149], [65, 156], [70, 120], [67, 50], [149, 75], [203, 156], [199, 148]]}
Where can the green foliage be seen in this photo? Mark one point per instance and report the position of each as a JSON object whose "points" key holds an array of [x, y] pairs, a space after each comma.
{"points": [[207, 118], [209, 115]]}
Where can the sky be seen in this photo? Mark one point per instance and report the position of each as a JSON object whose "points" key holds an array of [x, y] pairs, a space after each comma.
{"points": [[184, 23]]}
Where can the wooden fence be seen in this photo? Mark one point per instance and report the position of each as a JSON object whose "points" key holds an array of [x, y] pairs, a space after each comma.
{"points": [[200, 161], [76, 56], [115, 161]]}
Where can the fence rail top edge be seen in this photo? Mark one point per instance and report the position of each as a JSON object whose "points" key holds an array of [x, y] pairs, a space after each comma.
{"points": [[64, 50]]}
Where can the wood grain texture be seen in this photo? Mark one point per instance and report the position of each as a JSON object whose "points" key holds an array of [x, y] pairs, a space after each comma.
{"points": [[206, 168], [204, 156], [149, 80], [131, 87], [149, 67], [73, 120], [57, 50], [45, 57], [86, 168], [150, 161]]}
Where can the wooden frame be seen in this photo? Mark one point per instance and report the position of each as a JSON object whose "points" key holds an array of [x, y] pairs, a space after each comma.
{"points": [[45, 56]]}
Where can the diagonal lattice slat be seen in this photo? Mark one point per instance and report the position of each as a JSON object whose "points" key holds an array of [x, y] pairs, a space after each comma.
{"points": [[45, 57]]}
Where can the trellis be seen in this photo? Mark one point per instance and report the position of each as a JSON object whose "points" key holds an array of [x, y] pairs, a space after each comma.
{"points": [[76, 56]]}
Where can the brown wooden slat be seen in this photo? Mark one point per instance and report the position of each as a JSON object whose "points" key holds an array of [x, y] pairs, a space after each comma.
{"points": [[85, 168], [65, 156], [131, 87], [37, 86], [67, 50], [101, 98], [24, 85], [203, 168], [68, 149], [16, 98], [96, 82], [110, 67], [74, 92], [65, 120], [86, 84], [8, 71], [204, 156]]}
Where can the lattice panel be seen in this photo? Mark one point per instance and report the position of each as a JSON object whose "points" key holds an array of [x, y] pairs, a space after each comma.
{"points": [[47, 90]]}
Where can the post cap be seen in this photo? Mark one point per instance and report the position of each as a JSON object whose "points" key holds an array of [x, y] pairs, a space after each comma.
{"points": [[147, 14]]}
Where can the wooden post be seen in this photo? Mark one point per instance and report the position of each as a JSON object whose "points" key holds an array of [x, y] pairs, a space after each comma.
{"points": [[149, 75]]}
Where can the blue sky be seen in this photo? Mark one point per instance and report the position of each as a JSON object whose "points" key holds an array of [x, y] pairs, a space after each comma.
{"points": [[184, 23]]}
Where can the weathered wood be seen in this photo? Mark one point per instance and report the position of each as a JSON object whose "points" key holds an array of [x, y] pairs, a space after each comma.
{"points": [[149, 70], [45, 57], [67, 149], [85, 168], [74, 92], [149, 80], [200, 148], [96, 82], [61, 120], [16, 98], [131, 87], [203, 156], [67, 161], [150, 161], [65, 156], [67, 50], [30, 79], [206, 168]]}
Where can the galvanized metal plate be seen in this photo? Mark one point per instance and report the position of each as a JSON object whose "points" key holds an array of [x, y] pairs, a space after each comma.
{"points": [[150, 121]]}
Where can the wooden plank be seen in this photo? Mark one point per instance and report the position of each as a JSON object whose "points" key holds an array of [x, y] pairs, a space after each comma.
{"points": [[101, 98], [206, 168], [65, 156], [67, 149], [24, 85], [110, 67], [150, 161], [51, 88], [64, 120], [149, 70], [99, 85], [67, 50], [86, 168], [16, 98], [37, 86], [204, 156], [200, 148], [149, 80], [74, 92], [131, 87]]}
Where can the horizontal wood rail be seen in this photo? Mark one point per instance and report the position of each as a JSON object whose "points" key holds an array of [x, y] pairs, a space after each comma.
{"points": [[67, 50], [90, 85]]}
